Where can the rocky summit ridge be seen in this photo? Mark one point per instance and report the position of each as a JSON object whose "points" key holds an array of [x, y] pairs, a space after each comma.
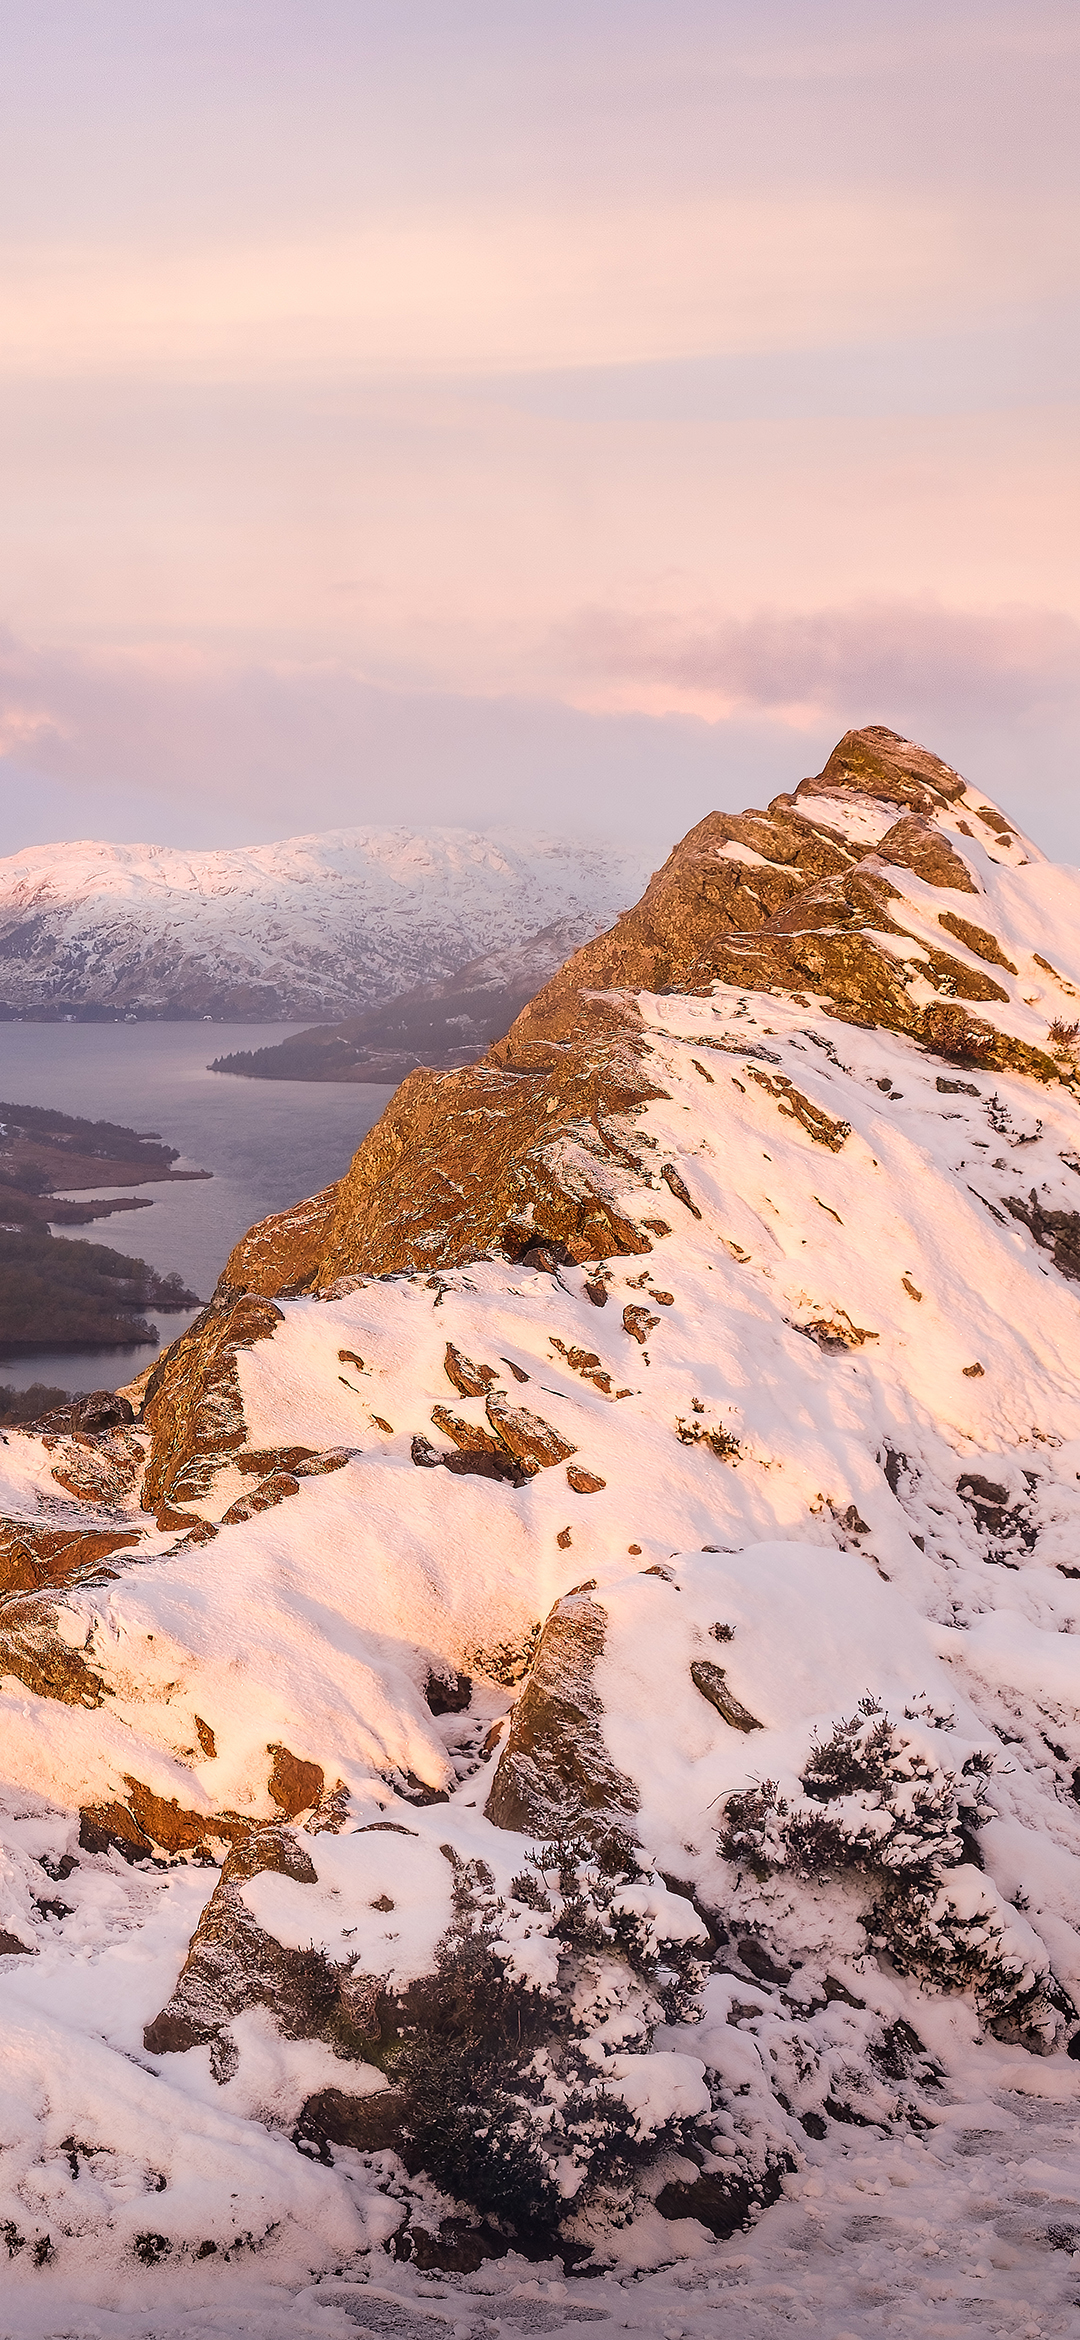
{"points": [[544, 1734]]}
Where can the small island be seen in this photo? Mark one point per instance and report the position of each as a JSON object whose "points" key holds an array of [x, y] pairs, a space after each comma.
{"points": [[43, 1152], [58, 1294]]}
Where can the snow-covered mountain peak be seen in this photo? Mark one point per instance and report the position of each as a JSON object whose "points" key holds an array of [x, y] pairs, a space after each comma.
{"points": [[315, 925], [609, 1618]]}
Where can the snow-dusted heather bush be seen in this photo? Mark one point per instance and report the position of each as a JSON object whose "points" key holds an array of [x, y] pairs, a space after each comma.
{"points": [[873, 1801], [508, 2101], [876, 1805]]}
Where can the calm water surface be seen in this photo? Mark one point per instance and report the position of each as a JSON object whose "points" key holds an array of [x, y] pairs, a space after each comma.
{"points": [[268, 1143]]}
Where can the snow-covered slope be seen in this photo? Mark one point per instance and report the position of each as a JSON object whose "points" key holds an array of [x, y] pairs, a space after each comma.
{"points": [[756, 1871], [313, 926]]}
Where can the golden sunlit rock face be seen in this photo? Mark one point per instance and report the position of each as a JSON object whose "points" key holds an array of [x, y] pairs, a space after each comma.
{"points": [[779, 899]]}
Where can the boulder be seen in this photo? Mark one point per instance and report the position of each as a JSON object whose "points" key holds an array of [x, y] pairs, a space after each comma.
{"points": [[104, 1409], [528, 1437], [555, 1777], [232, 1964], [711, 1680], [295, 1786], [468, 1379], [370, 2124]]}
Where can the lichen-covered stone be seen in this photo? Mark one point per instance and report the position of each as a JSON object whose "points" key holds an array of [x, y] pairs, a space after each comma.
{"points": [[34, 1555], [36, 1654], [917, 845], [976, 938], [99, 1469], [471, 1437]]}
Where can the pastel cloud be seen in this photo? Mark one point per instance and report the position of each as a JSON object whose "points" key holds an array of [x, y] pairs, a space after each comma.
{"points": [[169, 746], [481, 412], [596, 284], [811, 664]]}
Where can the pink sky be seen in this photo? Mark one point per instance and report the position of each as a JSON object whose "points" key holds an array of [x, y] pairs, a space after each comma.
{"points": [[422, 411]]}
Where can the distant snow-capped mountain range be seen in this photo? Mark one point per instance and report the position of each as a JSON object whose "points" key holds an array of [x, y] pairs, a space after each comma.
{"points": [[313, 926]]}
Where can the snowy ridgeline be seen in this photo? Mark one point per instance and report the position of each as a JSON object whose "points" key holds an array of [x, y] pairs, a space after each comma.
{"points": [[785, 2044], [856, 1489], [313, 926]]}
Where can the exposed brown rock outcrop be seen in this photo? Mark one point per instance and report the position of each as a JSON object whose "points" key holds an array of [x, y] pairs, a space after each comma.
{"points": [[232, 1964], [469, 1436], [916, 845], [468, 1379], [193, 1406], [555, 1776], [518, 1154], [148, 1823], [1056, 1231], [282, 1253], [294, 1785], [100, 1469], [464, 1163], [528, 1437], [878, 762], [33, 1555], [461, 1160], [262, 1498], [261, 1461], [791, 1101], [976, 938], [32, 1650], [712, 1682]]}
